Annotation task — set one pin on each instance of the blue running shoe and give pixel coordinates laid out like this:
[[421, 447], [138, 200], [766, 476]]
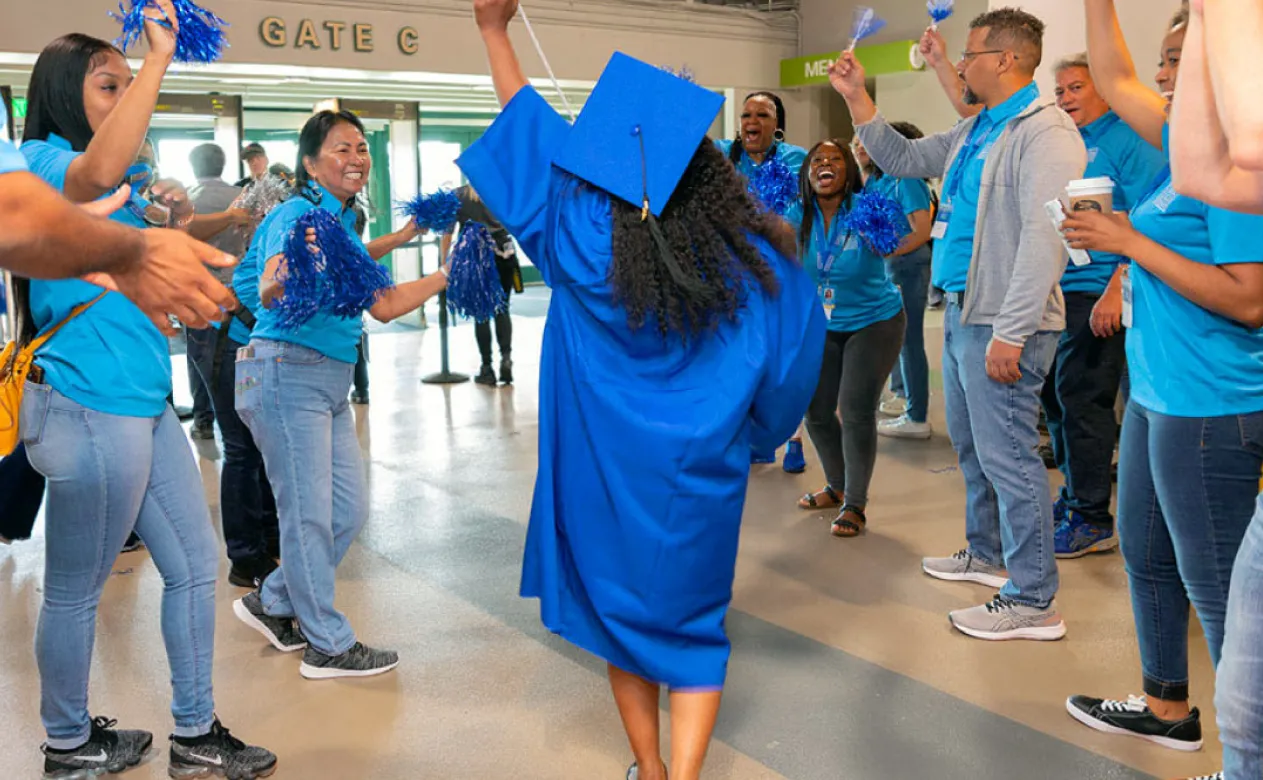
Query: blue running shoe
[[795, 462], [1076, 537]]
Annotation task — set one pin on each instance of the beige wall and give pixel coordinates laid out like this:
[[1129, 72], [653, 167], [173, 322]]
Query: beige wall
[[720, 46]]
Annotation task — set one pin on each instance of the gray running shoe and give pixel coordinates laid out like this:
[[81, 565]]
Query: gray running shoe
[[218, 753], [359, 661], [283, 633], [964, 567], [1001, 619], [106, 751]]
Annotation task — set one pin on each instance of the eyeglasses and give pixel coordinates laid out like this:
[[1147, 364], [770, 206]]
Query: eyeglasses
[[966, 56]]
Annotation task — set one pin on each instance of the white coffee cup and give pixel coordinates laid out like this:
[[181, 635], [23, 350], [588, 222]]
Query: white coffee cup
[[1091, 195]]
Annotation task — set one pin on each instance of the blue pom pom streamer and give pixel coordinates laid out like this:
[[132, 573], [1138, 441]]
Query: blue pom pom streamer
[[436, 212], [866, 24], [774, 185], [684, 72], [940, 10], [879, 222], [473, 283], [338, 278], [201, 38]]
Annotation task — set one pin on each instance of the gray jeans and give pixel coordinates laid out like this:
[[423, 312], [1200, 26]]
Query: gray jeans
[[855, 369]]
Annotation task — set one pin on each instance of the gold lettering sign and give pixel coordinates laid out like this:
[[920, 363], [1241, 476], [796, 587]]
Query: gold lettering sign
[[306, 35], [408, 40], [272, 30], [335, 34], [274, 33], [363, 37]]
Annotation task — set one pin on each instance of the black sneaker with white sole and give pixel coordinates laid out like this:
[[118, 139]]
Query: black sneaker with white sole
[[1133, 718], [218, 753], [359, 661], [283, 633], [107, 751]]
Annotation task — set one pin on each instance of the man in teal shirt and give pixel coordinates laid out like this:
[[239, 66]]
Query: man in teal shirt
[[1080, 393], [999, 259]]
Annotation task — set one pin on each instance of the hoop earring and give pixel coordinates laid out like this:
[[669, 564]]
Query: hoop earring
[[779, 135]]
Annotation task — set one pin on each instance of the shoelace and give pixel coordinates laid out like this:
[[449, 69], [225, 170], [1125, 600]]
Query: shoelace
[[1133, 704], [963, 555], [999, 603], [221, 735], [1216, 776]]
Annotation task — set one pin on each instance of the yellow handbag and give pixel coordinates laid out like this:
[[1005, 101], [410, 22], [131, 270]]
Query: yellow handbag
[[15, 364]]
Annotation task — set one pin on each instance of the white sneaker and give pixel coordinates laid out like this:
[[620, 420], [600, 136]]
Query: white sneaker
[[904, 428], [894, 407]]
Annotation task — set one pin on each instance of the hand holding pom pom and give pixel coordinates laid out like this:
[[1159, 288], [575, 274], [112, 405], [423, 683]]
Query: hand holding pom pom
[[473, 281], [879, 222], [774, 185], [436, 212], [327, 272], [176, 29]]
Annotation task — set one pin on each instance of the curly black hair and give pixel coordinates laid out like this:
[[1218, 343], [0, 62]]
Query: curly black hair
[[708, 225]]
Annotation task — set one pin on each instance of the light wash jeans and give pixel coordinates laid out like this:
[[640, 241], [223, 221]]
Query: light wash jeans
[[911, 377], [294, 400], [107, 475], [1239, 683], [1008, 512]]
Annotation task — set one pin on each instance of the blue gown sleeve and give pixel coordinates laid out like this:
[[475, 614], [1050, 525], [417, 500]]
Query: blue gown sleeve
[[511, 169], [795, 337]]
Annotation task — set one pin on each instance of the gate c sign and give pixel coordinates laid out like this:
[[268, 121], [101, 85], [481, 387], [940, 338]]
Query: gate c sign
[[331, 34]]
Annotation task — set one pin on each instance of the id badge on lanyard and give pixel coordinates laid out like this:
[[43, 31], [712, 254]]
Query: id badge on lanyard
[[827, 297], [940, 221]]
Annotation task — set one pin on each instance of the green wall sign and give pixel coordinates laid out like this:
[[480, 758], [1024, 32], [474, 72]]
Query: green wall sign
[[877, 60], [19, 107]]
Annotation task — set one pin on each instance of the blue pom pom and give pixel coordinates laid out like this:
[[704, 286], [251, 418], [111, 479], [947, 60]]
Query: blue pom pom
[[866, 23], [337, 278], [878, 220], [436, 212], [774, 185], [473, 284], [940, 10], [683, 72], [201, 38]]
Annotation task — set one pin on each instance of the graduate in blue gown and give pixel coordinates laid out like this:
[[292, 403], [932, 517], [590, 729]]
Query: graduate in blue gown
[[677, 336]]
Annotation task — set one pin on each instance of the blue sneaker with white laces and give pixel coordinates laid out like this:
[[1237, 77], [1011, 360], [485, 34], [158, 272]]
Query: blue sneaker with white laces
[[1075, 537], [795, 461]]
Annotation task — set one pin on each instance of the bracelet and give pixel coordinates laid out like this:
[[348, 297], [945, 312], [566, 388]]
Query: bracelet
[[443, 270]]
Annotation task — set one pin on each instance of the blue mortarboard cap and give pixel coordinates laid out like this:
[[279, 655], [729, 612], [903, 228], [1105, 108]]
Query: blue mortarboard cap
[[638, 132]]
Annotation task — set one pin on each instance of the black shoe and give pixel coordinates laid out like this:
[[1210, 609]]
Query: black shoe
[[506, 371], [359, 398], [106, 750], [218, 753], [133, 543], [205, 432], [1133, 718], [359, 661], [486, 376], [251, 572], [283, 633]]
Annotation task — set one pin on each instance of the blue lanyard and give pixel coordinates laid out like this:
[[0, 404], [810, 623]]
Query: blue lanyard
[[825, 267], [972, 147]]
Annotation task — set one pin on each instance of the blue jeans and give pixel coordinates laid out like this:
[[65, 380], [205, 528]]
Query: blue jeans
[[911, 377], [245, 497], [1008, 512], [294, 400], [1239, 682], [199, 344], [1186, 491], [1079, 399], [107, 475]]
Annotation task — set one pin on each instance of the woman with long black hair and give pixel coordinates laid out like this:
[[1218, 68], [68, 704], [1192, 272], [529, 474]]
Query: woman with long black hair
[[96, 423], [292, 387], [677, 337], [866, 324]]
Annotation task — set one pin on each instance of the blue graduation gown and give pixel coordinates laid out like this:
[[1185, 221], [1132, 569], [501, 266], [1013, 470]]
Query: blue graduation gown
[[644, 444]]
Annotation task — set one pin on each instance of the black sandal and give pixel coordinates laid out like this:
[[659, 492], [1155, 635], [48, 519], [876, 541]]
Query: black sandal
[[847, 528], [808, 501]]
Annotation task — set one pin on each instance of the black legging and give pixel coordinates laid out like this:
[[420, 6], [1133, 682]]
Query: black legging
[[855, 368], [504, 323]]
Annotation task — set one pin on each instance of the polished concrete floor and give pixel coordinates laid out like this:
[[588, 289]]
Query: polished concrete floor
[[844, 665]]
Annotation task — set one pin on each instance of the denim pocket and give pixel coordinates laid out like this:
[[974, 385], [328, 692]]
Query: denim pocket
[[1251, 426], [248, 387], [298, 355], [33, 416]]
